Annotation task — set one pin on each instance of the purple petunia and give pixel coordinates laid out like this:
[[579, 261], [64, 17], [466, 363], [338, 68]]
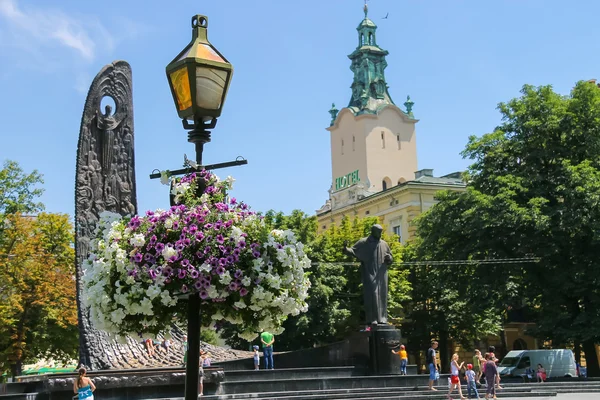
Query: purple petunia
[[238, 274], [159, 247], [194, 274], [243, 291], [220, 270], [256, 254], [138, 257], [233, 286], [181, 273], [185, 262], [220, 239], [230, 260], [185, 289], [203, 294]]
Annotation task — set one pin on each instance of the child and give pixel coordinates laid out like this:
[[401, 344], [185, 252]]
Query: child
[[471, 381], [541, 373], [403, 359], [256, 357], [203, 357], [454, 379], [185, 350]]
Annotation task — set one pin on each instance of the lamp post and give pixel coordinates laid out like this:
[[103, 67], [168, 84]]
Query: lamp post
[[199, 78]]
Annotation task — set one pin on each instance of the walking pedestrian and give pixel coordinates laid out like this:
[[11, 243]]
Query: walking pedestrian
[[471, 381], [491, 374], [454, 377]]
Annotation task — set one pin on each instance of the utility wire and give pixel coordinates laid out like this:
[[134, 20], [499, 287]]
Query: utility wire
[[491, 261]]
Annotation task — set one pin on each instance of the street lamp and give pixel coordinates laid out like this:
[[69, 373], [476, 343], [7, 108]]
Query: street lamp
[[199, 78]]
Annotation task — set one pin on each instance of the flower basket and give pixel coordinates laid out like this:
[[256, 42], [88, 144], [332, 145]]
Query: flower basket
[[140, 267]]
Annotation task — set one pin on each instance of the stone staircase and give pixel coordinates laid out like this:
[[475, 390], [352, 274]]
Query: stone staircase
[[316, 383], [347, 383]]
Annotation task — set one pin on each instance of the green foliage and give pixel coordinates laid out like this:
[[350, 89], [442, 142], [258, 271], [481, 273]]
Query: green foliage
[[38, 313], [18, 191], [534, 191], [335, 297], [209, 336]]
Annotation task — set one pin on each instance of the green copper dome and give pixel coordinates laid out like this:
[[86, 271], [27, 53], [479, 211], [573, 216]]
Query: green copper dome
[[369, 88]]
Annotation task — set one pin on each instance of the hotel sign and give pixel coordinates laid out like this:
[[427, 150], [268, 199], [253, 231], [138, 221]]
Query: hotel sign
[[347, 180]]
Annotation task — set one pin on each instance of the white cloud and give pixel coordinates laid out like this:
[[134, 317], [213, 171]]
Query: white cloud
[[33, 29]]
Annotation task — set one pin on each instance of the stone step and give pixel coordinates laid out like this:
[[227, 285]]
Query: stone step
[[291, 373], [342, 393], [370, 395], [20, 396]]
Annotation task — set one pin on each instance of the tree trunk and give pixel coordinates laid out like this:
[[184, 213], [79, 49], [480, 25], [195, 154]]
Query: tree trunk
[[444, 357], [591, 358], [577, 350]]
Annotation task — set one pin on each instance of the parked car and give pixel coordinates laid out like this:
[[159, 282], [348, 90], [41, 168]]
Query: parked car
[[556, 362]]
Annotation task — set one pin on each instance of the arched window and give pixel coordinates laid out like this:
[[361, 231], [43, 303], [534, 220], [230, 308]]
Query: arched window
[[370, 38], [401, 181], [519, 344], [342, 146], [386, 183], [353, 143], [362, 39], [399, 142], [382, 140]]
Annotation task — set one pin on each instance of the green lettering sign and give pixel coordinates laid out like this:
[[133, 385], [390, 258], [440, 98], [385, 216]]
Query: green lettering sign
[[347, 180]]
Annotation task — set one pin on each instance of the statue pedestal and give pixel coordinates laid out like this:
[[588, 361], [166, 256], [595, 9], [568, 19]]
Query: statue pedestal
[[382, 340]]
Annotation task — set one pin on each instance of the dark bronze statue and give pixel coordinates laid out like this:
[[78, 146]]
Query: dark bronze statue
[[104, 180], [375, 256]]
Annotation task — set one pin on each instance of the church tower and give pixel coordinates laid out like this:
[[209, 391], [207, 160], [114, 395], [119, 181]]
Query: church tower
[[373, 144]]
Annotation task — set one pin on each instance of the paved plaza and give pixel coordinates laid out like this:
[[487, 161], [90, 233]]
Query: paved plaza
[[561, 396]]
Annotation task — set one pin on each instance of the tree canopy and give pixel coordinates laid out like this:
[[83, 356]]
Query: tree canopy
[[38, 313], [533, 191]]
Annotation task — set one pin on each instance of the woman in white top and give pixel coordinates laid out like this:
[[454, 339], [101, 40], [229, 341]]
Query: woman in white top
[[454, 378]]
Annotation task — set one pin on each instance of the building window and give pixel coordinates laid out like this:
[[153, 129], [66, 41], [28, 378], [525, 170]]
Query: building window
[[396, 225], [324, 227], [382, 140], [386, 183], [398, 231], [399, 142], [342, 146], [353, 143], [367, 212]]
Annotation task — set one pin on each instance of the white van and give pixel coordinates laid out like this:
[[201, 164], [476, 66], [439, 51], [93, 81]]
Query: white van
[[557, 363]]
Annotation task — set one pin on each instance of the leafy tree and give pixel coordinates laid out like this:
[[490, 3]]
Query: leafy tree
[[38, 313], [18, 191], [534, 191]]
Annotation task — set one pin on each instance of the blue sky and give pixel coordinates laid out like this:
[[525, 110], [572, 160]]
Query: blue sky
[[456, 59]]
